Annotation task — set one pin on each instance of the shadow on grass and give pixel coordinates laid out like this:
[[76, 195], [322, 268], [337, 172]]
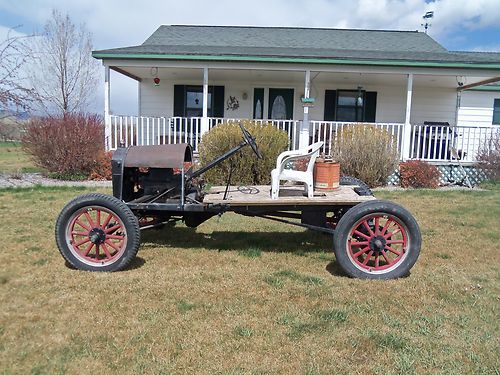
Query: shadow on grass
[[276, 242], [334, 269], [298, 243], [136, 263]]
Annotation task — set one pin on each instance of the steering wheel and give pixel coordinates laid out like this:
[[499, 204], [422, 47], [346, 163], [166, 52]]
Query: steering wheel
[[251, 141]]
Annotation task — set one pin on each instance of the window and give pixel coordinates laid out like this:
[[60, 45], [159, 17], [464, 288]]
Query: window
[[350, 105], [278, 109], [194, 101], [280, 106], [496, 112], [258, 102], [188, 101]]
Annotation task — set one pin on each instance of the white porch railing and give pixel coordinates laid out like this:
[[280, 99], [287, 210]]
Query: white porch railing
[[141, 130], [424, 142], [435, 143], [327, 131], [292, 127]]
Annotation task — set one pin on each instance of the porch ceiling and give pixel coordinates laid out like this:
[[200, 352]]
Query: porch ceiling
[[277, 76]]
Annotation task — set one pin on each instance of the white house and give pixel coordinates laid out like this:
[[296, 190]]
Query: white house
[[309, 82]]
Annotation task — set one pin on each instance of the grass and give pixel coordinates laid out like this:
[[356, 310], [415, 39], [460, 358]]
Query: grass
[[245, 295], [14, 160]]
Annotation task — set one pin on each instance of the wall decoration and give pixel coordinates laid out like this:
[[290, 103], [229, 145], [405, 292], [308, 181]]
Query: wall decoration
[[232, 103], [154, 73]]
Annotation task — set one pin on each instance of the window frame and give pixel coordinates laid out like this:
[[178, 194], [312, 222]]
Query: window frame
[[358, 110], [198, 90], [496, 112]]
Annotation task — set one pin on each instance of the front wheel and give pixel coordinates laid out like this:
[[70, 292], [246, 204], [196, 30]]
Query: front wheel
[[97, 232], [377, 240]]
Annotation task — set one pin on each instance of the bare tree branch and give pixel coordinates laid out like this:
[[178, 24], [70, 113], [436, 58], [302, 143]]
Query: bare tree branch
[[63, 73], [15, 92]]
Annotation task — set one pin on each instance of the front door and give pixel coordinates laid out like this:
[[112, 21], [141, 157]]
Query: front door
[[280, 104]]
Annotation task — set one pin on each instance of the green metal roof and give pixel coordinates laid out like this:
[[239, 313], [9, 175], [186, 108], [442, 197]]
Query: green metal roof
[[299, 45]]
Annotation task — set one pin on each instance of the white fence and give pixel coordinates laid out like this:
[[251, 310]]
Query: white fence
[[328, 131], [424, 142], [446, 143], [141, 130]]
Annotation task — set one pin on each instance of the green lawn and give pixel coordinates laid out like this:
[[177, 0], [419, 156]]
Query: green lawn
[[245, 295], [14, 160]]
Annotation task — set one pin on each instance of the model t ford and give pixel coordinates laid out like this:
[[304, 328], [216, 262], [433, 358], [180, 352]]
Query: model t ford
[[156, 185]]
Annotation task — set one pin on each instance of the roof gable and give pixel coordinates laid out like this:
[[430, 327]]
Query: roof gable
[[296, 38], [298, 45]]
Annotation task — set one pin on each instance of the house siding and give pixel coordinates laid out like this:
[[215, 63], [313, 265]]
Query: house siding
[[434, 104], [156, 101], [476, 108], [429, 104]]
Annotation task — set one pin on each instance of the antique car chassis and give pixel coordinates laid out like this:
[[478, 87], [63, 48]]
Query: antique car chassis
[[154, 185]]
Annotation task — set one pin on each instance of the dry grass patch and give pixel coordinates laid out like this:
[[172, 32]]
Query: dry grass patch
[[14, 160], [244, 295]]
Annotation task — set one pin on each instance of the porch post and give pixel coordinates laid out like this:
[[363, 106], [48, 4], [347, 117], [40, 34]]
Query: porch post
[[405, 149], [204, 120], [107, 119], [304, 127]]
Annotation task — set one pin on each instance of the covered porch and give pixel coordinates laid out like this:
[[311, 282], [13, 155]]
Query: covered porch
[[180, 101]]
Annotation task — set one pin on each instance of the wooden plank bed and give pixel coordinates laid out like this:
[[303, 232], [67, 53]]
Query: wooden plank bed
[[289, 195]]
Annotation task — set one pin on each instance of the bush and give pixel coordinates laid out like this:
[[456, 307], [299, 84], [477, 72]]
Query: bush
[[419, 174], [66, 145], [366, 152], [488, 157], [247, 169], [101, 170]]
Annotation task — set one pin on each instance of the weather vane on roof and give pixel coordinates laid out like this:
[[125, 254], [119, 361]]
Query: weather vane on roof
[[427, 17]]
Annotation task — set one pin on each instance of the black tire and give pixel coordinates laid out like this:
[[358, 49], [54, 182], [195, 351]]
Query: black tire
[[103, 223], [362, 233], [362, 188]]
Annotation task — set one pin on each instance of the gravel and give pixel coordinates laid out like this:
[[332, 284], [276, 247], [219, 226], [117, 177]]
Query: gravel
[[32, 179]]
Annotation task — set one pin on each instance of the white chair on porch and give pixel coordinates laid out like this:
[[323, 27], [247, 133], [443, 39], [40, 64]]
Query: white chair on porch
[[281, 173]]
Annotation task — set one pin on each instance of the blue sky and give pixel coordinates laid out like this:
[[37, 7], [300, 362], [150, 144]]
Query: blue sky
[[482, 39], [472, 25]]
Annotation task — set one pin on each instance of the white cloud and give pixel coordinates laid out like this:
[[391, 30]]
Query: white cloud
[[487, 48], [119, 22], [116, 23], [8, 32]]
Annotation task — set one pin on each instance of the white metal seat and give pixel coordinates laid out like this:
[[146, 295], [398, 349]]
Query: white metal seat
[[281, 173]]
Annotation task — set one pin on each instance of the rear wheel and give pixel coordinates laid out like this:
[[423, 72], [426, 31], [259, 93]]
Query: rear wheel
[[97, 232], [377, 240]]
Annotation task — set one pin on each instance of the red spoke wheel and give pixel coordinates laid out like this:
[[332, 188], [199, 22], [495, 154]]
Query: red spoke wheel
[[97, 232], [377, 240]]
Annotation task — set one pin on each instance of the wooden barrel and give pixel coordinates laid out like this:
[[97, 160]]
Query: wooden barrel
[[326, 175]]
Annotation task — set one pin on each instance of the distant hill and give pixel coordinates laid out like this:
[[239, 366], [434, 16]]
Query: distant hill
[[18, 115]]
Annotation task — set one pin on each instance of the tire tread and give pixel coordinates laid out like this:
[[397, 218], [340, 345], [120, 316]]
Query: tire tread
[[112, 203], [349, 219], [363, 189]]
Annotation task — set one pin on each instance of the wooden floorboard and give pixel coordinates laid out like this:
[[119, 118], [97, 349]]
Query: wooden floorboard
[[289, 195]]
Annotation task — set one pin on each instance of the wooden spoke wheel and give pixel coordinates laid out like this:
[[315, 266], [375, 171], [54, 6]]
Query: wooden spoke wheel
[[377, 240], [97, 232]]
